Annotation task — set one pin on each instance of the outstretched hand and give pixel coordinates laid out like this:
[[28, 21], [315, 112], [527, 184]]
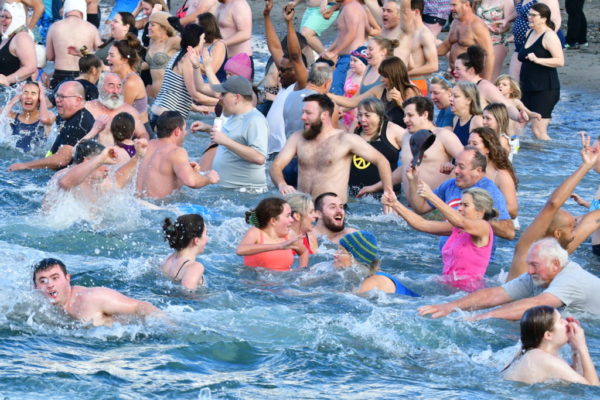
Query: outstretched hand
[[436, 310], [194, 55], [288, 12], [589, 153]]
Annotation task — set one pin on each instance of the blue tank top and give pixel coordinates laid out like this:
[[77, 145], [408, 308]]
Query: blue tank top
[[463, 131], [365, 88], [30, 135], [400, 288]]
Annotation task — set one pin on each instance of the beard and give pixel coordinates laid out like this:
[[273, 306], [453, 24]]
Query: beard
[[332, 224], [313, 130], [111, 101]]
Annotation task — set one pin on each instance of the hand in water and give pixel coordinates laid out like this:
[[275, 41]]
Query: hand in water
[[436, 310], [365, 191], [16, 167]]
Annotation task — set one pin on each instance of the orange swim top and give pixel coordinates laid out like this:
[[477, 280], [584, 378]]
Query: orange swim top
[[276, 260], [421, 84]]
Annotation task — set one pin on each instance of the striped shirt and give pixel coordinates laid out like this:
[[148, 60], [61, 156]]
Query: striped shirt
[[173, 94]]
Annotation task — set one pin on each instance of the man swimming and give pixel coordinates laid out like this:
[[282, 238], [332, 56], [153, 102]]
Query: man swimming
[[91, 305]]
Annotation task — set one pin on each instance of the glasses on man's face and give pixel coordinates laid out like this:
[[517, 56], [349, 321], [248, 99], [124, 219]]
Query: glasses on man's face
[[62, 96]]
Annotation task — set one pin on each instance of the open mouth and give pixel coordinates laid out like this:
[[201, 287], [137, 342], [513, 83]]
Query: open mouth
[[52, 294]]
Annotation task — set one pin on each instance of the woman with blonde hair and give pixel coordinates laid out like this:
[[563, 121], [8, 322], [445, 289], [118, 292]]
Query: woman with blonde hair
[[467, 110], [303, 213]]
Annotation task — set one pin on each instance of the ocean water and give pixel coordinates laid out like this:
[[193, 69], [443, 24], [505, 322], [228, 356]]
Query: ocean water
[[255, 334]]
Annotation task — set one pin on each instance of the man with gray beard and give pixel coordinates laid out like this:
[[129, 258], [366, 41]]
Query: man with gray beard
[[110, 103], [324, 154]]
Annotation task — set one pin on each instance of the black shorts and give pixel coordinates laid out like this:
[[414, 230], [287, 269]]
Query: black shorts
[[430, 19]]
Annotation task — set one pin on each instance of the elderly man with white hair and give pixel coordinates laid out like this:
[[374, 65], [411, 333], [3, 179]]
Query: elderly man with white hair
[[551, 280]]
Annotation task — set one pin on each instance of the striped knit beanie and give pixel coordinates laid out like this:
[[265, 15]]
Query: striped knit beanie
[[362, 245]]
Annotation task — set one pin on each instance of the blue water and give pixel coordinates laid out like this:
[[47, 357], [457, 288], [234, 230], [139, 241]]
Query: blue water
[[255, 335]]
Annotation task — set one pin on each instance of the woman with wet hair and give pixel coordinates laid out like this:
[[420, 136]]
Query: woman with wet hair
[[188, 237], [271, 243], [543, 333]]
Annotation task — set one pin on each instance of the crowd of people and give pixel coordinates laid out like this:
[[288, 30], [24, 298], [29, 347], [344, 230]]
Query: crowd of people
[[327, 122]]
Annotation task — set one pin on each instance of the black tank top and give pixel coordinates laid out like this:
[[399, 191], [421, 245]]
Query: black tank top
[[535, 77], [363, 173], [9, 64], [393, 113]]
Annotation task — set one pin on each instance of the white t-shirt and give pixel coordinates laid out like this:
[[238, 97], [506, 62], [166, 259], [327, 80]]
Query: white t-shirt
[[276, 122]]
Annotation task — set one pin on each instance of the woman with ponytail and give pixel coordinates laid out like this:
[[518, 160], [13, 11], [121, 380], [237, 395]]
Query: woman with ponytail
[[270, 243], [188, 237], [543, 333]]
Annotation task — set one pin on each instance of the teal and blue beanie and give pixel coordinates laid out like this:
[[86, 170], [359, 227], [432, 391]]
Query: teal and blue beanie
[[362, 245]]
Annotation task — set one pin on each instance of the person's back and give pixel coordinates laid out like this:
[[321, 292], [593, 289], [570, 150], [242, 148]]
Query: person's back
[[71, 31], [156, 176]]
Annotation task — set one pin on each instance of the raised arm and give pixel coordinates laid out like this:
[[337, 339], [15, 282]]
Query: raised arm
[[75, 175], [294, 49], [126, 172], [273, 42], [417, 222], [542, 221]]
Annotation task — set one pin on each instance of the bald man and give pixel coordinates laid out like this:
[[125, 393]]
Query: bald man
[[556, 223]]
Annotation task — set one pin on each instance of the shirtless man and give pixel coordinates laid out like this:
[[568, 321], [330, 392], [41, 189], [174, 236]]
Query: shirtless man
[[110, 103], [324, 154], [235, 21], [87, 177], [352, 32], [389, 18], [331, 214], [197, 7], [554, 222], [75, 32], [166, 166], [417, 44], [90, 305], [418, 115], [466, 30]]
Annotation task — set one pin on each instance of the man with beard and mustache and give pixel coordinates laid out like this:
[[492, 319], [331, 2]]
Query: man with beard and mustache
[[551, 280], [324, 154], [110, 103], [73, 122], [534, 266], [331, 214]]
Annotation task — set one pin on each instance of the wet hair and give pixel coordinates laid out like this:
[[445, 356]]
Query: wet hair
[[545, 12], [167, 122], [443, 79], [500, 114], [129, 48], [319, 73], [209, 23], [422, 105], [180, 234], [161, 2], [122, 126], [394, 69], [87, 62], [190, 36], [497, 154], [320, 200], [268, 208], [479, 160], [386, 44], [534, 324], [469, 89], [417, 5], [324, 102], [299, 202], [372, 105], [482, 200], [515, 89], [46, 264], [474, 58], [86, 148]]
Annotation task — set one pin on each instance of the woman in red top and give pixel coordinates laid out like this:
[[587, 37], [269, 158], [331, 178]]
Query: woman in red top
[[303, 212], [271, 243]]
